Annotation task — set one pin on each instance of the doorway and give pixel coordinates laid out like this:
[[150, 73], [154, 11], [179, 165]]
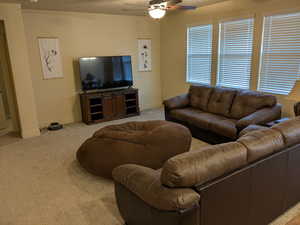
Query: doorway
[[8, 115]]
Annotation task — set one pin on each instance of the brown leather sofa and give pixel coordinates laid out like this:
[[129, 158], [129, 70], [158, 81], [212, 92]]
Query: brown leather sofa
[[248, 182], [217, 115]]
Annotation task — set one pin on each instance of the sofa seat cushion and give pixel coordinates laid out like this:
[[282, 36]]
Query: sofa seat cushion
[[224, 126], [261, 143], [199, 96], [248, 102], [207, 121], [185, 114], [221, 100]]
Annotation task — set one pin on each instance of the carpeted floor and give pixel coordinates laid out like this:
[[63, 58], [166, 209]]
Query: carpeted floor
[[42, 184], [295, 221]]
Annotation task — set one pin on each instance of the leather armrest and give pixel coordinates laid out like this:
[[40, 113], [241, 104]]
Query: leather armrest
[[145, 183], [177, 102], [260, 117], [195, 168]]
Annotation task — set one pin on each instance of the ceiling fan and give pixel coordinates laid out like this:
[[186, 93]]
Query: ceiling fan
[[158, 8]]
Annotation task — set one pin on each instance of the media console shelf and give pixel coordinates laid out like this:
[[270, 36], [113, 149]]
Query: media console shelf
[[97, 107]]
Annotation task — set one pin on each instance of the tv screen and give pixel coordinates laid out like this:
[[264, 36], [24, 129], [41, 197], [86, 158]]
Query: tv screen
[[105, 72]]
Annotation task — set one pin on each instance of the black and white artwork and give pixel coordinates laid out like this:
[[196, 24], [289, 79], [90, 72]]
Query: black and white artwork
[[145, 56], [51, 58]]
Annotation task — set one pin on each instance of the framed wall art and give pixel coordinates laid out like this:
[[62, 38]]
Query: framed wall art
[[145, 55], [50, 58]]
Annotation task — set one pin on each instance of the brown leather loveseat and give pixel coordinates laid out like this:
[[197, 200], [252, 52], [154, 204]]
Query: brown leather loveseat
[[248, 182], [217, 114]]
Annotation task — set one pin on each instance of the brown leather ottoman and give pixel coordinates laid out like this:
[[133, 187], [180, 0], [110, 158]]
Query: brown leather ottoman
[[149, 143]]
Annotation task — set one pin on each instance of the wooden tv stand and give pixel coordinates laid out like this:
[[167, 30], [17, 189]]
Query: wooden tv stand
[[97, 107]]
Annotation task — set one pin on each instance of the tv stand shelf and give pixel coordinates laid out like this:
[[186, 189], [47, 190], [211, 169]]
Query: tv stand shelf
[[99, 106]]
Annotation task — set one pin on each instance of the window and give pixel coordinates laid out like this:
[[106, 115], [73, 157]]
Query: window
[[280, 59], [235, 53], [199, 50]]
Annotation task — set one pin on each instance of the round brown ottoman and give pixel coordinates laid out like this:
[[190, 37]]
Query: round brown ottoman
[[149, 143]]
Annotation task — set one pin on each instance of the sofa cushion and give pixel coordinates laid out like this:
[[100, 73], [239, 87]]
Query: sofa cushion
[[197, 167], [199, 96], [261, 143], [207, 121], [251, 128], [185, 114], [247, 102], [221, 100], [225, 127], [215, 123], [290, 130]]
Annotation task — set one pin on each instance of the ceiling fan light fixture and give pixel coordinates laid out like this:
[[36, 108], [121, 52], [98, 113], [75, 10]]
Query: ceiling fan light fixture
[[157, 13]]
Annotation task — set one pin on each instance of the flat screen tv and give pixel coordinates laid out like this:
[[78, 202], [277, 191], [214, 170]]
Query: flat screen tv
[[105, 72]]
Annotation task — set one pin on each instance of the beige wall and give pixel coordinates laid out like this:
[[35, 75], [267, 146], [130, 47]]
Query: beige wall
[[173, 39], [6, 86], [80, 35], [20, 71], [83, 34]]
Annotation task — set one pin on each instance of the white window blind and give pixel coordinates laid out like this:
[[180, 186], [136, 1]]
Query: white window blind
[[280, 62], [199, 51], [235, 53]]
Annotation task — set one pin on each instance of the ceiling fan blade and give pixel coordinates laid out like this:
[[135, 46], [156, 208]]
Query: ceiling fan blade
[[182, 7], [210, 2], [187, 7]]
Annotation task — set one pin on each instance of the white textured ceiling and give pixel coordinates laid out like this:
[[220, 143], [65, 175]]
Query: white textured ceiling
[[128, 7]]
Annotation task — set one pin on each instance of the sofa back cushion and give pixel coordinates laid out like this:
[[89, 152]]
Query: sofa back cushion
[[290, 130], [247, 102], [261, 143], [221, 100], [197, 167], [199, 96]]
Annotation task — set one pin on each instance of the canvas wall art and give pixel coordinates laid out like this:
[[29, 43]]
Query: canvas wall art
[[145, 55], [50, 57]]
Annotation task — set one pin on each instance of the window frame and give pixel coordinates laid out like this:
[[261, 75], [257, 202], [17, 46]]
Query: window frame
[[235, 19], [261, 44], [187, 52]]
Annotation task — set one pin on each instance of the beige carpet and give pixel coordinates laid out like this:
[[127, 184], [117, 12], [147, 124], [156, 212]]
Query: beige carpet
[[42, 184], [295, 221]]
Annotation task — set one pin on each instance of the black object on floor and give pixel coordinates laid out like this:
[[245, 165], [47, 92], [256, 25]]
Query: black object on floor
[[55, 126]]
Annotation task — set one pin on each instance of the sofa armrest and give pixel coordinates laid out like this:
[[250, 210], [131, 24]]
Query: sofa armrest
[[177, 102], [195, 168], [145, 183], [260, 117]]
